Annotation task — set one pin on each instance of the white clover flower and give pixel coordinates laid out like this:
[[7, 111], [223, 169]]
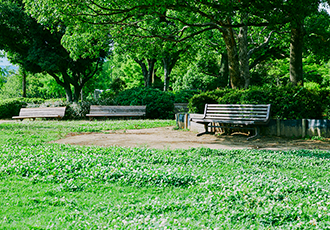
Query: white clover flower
[[313, 222]]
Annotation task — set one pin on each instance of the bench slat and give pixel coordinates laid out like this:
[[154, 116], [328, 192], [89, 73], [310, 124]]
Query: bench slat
[[237, 105], [236, 109], [94, 107], [237, 122], [114, 114], [262, 113], [116, 111], [238, 116], [35, 116]]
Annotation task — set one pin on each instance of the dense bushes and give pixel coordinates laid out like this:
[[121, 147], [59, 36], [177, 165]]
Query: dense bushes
[[287, 102], [183, 96], [11, 107], [159, 104]]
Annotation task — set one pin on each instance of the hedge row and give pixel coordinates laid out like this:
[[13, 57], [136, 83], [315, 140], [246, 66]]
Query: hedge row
[[287, 102], [11, 107], [159, 104]]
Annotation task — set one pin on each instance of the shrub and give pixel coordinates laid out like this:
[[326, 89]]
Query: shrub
[[197, 102], [159, 104], [108, 96], [183, 96], [11, 107], [75, 110], [117, 85]]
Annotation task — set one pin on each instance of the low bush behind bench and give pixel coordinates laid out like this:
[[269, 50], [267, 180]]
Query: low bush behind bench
[[44, 112], [116, 111], [237, 115]]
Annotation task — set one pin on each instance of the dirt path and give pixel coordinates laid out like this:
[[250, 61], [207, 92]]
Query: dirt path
[[168, 138]]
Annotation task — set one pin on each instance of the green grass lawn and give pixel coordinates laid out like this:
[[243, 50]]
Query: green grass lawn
[[52, 186]]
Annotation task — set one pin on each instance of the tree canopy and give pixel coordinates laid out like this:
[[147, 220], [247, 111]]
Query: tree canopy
[[179, 21], [38, 47]]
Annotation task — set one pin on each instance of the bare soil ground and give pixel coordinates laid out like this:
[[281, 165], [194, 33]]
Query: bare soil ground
[[169, 138]]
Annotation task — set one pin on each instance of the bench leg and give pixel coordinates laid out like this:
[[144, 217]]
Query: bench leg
[[206, 127], [257, 129]]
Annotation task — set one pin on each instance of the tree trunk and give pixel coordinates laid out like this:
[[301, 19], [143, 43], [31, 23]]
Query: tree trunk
[[224, 71], [169, 62], [77, 92], [296, 47], [24, 83], [65, 84], [68, 93], [144, 70], [166, 63], [233, 64], [243, 54], [151, 67]]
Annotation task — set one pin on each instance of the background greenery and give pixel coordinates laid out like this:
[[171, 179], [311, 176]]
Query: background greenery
[[287, 102]]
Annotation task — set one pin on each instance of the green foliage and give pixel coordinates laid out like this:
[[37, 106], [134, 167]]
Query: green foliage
[[198, 101], [127, 69], [44, 86], [4, 74], [117, 85], [287, 102], [37, 48], [12, 88], [74, 111], [183, 96], [11, 107], [77, 110], [316, 72], [108, 95], [159, 104], [276, 73], [193, 79]]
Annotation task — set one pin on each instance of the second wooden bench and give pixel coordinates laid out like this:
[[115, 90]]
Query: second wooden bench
[[116, 111]]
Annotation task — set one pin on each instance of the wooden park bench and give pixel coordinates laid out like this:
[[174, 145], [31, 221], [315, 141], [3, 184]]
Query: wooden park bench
[[47, 112], [116, 111], [233, 116]]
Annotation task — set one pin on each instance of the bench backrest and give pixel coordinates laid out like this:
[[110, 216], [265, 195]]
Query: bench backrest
[[238, 112], [60, 111], [133, 110]]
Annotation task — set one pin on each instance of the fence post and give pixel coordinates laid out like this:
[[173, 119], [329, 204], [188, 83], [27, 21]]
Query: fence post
[[303, 127], [278, 127]]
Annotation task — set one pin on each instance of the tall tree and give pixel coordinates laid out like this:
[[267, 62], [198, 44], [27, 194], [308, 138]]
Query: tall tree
[[37, 48], [196, 17], [181, 15]]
